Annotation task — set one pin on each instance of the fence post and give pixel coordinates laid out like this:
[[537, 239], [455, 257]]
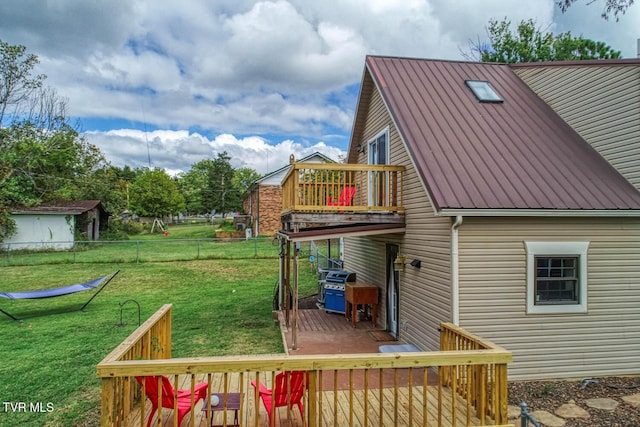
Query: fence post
[[137, 251], [525, 416], [8, 254]]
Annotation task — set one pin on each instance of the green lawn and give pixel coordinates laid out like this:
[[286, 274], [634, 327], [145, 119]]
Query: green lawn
[[220, 307]]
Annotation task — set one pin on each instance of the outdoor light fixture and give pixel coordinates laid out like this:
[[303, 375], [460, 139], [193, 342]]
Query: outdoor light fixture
[[360, 148], [398, 263], [416, 263]]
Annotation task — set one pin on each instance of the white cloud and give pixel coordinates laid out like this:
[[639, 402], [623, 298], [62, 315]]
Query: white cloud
[[178, 150]]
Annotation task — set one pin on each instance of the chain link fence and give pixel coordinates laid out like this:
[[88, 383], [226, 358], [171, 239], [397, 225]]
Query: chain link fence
[[137, 251]]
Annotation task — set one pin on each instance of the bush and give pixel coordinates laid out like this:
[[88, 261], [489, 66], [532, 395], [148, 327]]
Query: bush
[[121, 230], [226, 225]]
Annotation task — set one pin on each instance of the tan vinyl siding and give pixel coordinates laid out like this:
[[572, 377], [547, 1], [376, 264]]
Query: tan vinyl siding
[[602, 103], [604, 341], [424, 294]]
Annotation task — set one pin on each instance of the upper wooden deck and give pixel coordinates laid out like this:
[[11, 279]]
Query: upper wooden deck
[[337, 193]]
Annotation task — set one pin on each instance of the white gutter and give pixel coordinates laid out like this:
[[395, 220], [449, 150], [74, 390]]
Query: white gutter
[[455, 274]]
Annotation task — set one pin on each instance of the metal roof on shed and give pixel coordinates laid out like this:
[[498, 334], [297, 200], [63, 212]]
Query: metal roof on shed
[[61, 207], [516, 154]]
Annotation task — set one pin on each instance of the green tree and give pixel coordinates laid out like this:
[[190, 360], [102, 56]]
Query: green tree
[[530, 44], [220, 193], [104, 184], [16, 81], [46, 165], [243, 178], [617, 7], [214, 184], [194, 184], [155, 194], [42, 157]]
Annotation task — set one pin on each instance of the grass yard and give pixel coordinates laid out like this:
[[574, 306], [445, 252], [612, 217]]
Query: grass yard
[[220, 307]]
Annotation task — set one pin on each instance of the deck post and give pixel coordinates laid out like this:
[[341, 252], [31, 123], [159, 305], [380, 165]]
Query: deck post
[[500, 416], [294, 325], [281, 268], [287, 282], [107, 402]]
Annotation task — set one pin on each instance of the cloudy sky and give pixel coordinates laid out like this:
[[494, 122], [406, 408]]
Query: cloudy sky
[[175, 82]]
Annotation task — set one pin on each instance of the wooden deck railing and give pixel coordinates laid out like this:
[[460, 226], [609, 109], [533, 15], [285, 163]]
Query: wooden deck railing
[[483, 386], [151, 341], [329, 187], [358, 389]]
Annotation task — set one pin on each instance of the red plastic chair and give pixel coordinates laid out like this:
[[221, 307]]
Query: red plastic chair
[[288, 390], [344, 199], [183, 396]]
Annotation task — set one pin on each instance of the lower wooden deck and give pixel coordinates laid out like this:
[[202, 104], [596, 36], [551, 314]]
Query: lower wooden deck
[[349, 406]]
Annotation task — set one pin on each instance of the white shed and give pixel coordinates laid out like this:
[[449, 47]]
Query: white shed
[[41, 231], [52, 226]]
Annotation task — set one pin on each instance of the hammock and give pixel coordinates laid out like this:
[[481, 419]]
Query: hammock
[[99, 284]]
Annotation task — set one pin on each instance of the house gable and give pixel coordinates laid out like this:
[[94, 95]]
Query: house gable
[[600, 100], [424, 295]]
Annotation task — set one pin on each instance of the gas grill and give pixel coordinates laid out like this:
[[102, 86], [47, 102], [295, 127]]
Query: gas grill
[[322, 279], [334, 290]]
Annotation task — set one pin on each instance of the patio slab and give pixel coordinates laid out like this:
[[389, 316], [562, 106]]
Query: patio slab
[[321, 332]]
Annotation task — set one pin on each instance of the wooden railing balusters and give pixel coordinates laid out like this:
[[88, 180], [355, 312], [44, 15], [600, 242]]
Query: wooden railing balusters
[[425, 397], [307, 187], [366, 396], [381, 398], [335, 397], [350, 397]]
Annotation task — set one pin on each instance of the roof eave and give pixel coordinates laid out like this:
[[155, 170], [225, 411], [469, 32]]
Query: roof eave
[[47, 212], [352, 230], [541, 212]]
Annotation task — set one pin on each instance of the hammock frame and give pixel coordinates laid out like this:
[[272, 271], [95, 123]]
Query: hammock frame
[[97, 284]]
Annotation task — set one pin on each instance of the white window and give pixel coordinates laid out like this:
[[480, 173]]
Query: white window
[[378, 155], [379, 148], [556, 277]]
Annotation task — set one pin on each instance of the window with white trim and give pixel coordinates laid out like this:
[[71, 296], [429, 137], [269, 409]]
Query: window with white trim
[[556, 277], [378, 155], [379, 148]]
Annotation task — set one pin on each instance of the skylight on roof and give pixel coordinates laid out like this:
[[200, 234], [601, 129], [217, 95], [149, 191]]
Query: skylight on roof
[[483, 91]]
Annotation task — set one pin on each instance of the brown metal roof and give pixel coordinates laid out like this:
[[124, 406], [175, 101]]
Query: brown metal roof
[[71, 207], [518, 154]]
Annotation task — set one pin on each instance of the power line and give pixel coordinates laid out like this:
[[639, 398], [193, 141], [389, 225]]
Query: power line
[[144, 123]]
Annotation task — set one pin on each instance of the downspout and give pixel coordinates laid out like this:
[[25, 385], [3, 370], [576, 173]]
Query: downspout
[[257, 211], [455, 274]]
